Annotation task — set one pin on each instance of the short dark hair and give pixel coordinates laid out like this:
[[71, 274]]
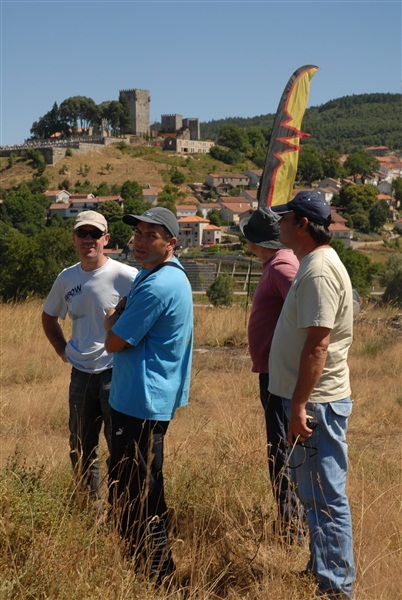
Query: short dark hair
[[320, 233]]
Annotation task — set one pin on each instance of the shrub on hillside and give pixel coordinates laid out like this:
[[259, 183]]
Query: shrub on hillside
[[220, 292]]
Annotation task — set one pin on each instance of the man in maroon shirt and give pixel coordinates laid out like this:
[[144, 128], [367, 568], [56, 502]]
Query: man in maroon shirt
[[279, 266]]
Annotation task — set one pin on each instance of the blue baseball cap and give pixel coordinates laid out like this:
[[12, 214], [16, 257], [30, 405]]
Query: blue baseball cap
[[311, 205]]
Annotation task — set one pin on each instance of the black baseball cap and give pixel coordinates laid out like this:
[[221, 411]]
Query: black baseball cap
[[262, 228], [310, 204], [158, 216]]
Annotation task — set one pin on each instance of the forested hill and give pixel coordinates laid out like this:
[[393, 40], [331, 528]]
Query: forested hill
[[346, 124]]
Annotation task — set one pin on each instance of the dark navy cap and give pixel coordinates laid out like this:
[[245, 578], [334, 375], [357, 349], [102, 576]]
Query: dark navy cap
[[310, 204]]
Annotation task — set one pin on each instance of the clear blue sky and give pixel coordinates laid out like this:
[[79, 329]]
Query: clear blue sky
[[206, 59]]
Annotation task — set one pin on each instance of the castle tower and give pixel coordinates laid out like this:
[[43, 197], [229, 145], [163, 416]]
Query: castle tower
[[194, 126], [139, 104], [171, 123]]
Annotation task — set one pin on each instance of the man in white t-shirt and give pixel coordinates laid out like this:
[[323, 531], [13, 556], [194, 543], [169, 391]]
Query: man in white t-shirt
[[308, 368], [86, 291]]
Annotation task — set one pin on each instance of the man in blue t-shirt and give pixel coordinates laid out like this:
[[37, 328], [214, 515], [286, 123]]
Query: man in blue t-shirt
[[151, 334]]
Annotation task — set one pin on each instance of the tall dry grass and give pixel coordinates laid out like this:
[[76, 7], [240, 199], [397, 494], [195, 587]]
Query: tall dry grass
[[216, 474]]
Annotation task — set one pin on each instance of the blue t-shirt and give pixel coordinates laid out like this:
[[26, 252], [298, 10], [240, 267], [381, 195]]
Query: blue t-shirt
[[151, 379]]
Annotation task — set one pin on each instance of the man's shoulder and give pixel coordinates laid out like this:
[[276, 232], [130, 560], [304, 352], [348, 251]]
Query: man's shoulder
[[284, 259], [123, 268], [69, 271]]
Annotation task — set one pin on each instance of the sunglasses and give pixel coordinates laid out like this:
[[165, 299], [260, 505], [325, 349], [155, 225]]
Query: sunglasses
[[95, 234]]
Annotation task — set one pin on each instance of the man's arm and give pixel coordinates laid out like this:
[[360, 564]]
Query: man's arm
[[114, 343], [312, 361], [54, 334]]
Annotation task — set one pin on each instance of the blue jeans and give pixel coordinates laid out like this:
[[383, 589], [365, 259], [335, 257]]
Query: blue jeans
[[89, 408], [319, 468]]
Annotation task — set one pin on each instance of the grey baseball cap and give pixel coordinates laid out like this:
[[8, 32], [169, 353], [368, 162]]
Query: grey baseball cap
[[158, 216]]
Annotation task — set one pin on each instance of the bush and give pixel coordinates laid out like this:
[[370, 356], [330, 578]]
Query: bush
[[220, 292]]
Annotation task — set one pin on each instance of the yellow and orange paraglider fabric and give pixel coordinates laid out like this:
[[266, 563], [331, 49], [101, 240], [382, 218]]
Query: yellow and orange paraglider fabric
[[280, 167]]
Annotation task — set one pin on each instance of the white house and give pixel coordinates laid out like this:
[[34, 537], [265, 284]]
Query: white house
[[185, 210], [56, 196], [192, 232]]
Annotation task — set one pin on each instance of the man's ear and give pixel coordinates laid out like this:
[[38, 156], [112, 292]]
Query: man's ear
[[173, 242], [303, 222]]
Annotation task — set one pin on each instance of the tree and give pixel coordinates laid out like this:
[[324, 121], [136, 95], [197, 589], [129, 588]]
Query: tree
[[24, 210], [364, 196], [393, 266], [393, 291], [120, 234], [131, 190], [360, 163], [79, 110], [177, 177], [396, 186], [102, 189], [220, 292], [360, 268], [330, 163], [234, 138], [378, 215], [392, 280], [257, 139], [111, 211], [214, 217], [49, 124], [30, 264], [310, 165]]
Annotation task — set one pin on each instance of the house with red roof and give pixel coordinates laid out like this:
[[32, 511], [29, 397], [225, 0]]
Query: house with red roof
[[196, 231]]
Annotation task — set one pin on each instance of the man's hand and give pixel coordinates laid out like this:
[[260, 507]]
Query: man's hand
[[298, 430]]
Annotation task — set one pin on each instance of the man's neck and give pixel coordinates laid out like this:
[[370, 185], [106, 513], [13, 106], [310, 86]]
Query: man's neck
[[308, 248], [92, 265]]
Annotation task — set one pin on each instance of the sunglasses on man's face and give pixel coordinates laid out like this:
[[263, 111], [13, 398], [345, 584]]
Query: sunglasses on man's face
[[94, 233]]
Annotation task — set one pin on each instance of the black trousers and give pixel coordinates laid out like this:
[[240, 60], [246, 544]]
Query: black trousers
[[289, 507], [136, 486]]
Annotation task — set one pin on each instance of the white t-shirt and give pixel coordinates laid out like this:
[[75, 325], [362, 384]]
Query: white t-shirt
[[86, 296], [320, 296]]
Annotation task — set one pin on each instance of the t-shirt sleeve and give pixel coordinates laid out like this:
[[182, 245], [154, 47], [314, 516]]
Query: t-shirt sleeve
[[55, 304], [317, 302]]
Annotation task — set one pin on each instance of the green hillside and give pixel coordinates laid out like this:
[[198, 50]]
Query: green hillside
[[346, 124]]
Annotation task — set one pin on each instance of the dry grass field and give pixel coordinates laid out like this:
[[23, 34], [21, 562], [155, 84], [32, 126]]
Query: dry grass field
[[216, 474]]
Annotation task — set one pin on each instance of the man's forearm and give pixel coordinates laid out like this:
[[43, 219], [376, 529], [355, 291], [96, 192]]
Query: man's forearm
[[54, 334], [311, 366]]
